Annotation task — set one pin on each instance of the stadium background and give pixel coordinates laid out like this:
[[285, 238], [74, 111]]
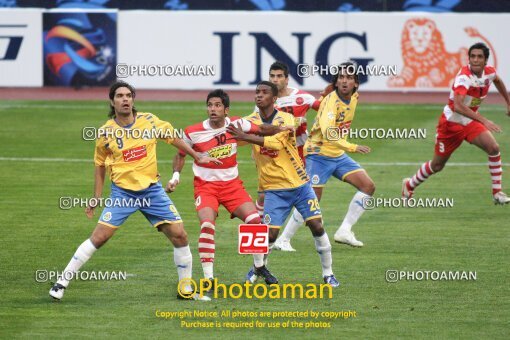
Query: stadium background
[[52, 87]]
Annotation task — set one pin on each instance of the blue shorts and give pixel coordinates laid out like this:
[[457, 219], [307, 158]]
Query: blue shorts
[[279, 203], [320, 168], [153, 202]]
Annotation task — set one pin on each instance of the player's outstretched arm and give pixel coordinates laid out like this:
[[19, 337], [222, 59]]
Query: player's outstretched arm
[[99, 175], [271, 130], [178, 164], [181, 145], [463, 109], [498, 82], [240, 135]]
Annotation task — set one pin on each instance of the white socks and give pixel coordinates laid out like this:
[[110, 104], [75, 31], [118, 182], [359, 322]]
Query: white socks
[[295, 222], [183, 261], [354, 213], [324, 249], [82, 255]]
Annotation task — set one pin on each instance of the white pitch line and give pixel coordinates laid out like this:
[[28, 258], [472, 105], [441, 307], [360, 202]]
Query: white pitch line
[[83, 160]]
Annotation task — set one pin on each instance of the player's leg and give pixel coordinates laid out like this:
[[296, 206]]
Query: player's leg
[[247, 212], [359, 179], [276, 210], [319, 170], [206, 204], [308, 206], [163, 215], [449, 137], [100, 235], [111, 218], [259, 203], [206, 242], [486, 141]]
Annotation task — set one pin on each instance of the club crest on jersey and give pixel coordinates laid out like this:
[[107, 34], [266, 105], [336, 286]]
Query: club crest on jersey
[[107, 217], [134, 154], [315, 179], [267, 219], [198, 201], [221, 151], [299, 101]]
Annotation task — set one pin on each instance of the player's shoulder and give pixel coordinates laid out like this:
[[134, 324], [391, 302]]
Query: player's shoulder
[[355, 96], [465, 71], [197, 127], [253, 117], [489, 70], [146, 116], [284, 116]]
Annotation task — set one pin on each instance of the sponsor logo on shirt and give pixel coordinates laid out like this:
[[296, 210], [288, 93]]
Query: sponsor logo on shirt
[[134, 154]]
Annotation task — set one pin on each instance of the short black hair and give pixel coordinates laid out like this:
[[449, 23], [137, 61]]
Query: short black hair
[[480, 46], [219, 93], [273, 87], [278, 65], [351, 69], [113, 88]]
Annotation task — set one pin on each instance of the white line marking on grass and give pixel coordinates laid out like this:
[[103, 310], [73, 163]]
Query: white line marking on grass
[[83, 160]]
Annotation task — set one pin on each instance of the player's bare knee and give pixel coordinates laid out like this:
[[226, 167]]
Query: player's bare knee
[[368, 188], [98, 240], [492, 149], [436, 167], [316, 228], [179, 239], [273, 234]]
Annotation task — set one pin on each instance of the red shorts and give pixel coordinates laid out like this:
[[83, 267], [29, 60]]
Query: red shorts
[[450, 135], [230, 194]]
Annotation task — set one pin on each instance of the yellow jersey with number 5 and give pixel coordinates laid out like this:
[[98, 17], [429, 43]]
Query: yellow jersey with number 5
[[328, 136]]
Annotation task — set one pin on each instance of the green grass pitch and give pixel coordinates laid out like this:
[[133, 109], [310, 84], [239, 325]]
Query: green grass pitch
[[37, 235]]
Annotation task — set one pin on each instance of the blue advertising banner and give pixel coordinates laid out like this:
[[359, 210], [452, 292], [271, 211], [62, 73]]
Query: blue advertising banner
[[80, 49]]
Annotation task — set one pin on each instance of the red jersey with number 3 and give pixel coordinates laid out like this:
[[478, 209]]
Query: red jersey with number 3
[[216, 143], [474, 88]]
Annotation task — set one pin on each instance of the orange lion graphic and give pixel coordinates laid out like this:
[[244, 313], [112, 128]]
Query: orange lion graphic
[[426, 61]]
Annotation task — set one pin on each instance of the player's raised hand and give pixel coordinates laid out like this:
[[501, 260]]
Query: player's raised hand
[[206, 159], [491, 126], [235, 131], [362, 149]]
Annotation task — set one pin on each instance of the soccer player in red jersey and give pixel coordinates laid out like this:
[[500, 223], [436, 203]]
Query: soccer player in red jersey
[[218, 184], [461, 121]]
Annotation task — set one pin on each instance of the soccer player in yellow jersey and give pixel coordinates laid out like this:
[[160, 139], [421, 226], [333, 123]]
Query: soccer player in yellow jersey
[[283, 179], [131, 161], [327, 145], [325, 153]]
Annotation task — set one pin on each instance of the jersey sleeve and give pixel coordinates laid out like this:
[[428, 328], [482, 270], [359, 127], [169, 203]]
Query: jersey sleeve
[[461, 84], [165, 129], [247, 126], [186, 140], [100, 152]]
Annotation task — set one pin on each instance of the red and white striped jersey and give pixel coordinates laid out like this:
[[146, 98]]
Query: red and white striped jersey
[[216, 143], [297, 103], [475, 89]]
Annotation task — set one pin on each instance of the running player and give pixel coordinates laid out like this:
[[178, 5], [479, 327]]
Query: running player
[[218, 184], [283, 178], [461, 121], [133, 171]]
